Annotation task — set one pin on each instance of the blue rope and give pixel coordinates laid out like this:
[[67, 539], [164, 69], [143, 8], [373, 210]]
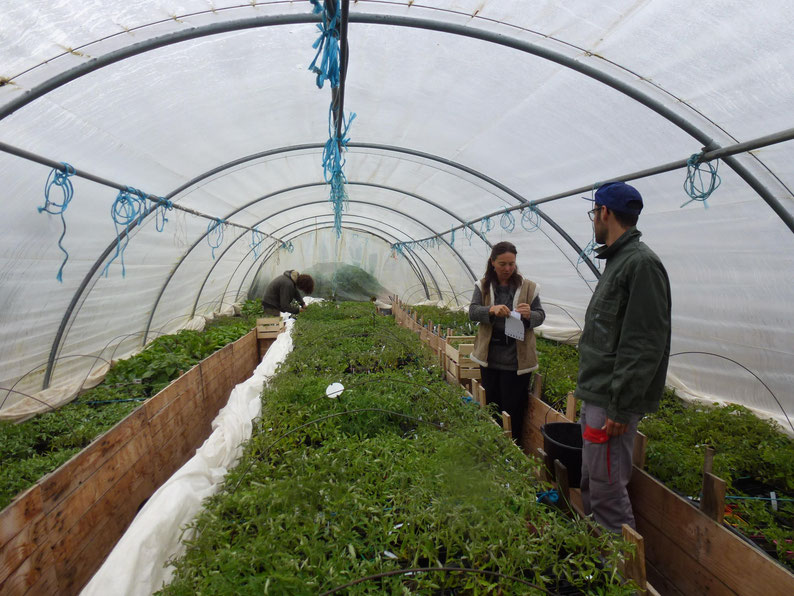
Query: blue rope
[[397, 248], [257, 238], [507, 221], [61, 180], [701, 179], [452, 239], [468, 232], [288, 246], [333, 164], [486, 225], [327, 44], [553, 496], [215, 234], [129, 206], [163, 206], [531, 217]]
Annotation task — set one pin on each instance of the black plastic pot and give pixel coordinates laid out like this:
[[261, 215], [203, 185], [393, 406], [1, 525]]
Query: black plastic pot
[[563, 441]]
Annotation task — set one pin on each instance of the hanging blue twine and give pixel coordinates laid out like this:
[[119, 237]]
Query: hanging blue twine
[[60, 179], [468, 232], [397, 248], [486, 225], [215, 234], [507, 221], [701, 179], [530, 219], [327, 45], [333, 164], [163, 206], [288, 246], [257, 238], [129, 206], [452, 237]]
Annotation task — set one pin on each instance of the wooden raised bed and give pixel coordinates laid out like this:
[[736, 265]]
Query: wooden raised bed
[[55, 535], [686, 550]]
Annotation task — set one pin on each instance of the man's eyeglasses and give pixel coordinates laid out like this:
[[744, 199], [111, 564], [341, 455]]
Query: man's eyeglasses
[[592, 213]]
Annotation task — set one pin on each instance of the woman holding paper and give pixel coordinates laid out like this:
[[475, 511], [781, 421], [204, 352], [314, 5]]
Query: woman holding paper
[[507, 307]]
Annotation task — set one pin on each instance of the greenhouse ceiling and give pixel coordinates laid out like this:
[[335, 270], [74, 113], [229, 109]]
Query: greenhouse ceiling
[[161, 161]]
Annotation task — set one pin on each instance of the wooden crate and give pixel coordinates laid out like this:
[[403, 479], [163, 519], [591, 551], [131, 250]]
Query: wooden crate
[[460, 366], [269, 327]]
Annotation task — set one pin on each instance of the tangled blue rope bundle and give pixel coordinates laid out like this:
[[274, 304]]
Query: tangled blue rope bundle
[[288, 246], [257, 238], [452, 239], [326, 44], [215, 234], [163, 206], [468, 232], [61, 180], [129, 206], [333, 164], [701, 179], [486, 225], [530, 219], [507, 221]]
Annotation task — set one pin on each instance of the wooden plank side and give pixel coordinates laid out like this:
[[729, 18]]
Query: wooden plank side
[[192, 393], [172, 392], [83, 548], [19, 513], [71, 509], [35, 576], [245, 357], [713, 546], [14, 552], [67, 478]]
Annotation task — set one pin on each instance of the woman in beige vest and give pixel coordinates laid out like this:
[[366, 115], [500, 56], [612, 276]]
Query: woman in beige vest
[[505, 363]]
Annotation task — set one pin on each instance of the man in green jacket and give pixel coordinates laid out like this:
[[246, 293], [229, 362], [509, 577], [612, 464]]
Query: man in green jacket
[[282, 292], [623, 353]]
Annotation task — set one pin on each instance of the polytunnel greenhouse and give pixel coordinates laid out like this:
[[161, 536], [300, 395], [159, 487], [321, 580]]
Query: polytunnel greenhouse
[[162, 162]]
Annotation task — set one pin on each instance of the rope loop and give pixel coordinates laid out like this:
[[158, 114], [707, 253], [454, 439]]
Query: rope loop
[[507, 221], [701, 179], [452, 239], [257, 238], [215, 234], [530, 218], [288, 246], [468, 232], [163, 206], [486, 225], [59, 178], [128, 209]]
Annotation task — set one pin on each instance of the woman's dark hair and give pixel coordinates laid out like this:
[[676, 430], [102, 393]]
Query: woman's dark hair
[[305, 283], [490, 276]]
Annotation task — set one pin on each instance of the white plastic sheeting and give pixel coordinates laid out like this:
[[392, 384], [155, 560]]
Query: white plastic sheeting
[[463, 107], [137, 564]]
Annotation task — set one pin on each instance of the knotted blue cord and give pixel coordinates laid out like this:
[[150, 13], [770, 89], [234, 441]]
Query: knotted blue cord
[[486, 225], [452, 239], [327, 44], [257, 238], [163, 206], [530, 217], [397, 248], [288, 246], [468, 232], [129, 205], [333, 164], [507, 221], [61, 180], [215, 234], [698, 188]]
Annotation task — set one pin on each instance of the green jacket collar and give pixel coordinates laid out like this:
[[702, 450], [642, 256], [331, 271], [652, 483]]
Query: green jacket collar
[[630, 235]]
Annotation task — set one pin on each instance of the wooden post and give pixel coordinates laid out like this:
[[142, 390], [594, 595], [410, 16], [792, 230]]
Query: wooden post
[[507, 424], [708, 460], [570, 407], [712, 503], [537, 385], [634, 565], [545, 469], [561, 475], [640, 445]]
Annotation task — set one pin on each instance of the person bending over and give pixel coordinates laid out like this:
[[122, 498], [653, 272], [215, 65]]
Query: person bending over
[[282, 291]]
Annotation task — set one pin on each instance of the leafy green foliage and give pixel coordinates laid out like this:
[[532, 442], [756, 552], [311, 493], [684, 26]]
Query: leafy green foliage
[[396, 472], [38, 446], [339, 281]]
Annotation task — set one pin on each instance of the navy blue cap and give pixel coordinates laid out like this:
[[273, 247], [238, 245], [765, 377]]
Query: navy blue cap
[[619, 196]]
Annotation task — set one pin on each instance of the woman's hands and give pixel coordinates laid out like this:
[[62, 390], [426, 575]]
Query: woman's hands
[[524, 310], [499, 310]]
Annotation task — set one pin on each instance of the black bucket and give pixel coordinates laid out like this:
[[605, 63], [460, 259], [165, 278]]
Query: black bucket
[[563, 441]]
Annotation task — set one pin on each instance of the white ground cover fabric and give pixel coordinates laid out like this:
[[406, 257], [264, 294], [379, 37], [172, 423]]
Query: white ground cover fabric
[[136, 565]]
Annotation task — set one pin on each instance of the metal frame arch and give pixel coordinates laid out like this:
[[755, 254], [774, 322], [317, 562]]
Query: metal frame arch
[[265, 197], [371, 231], [638, 95], [242, 281]]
